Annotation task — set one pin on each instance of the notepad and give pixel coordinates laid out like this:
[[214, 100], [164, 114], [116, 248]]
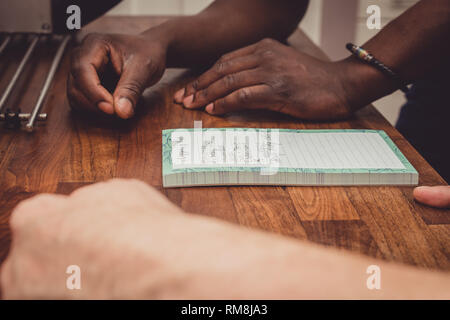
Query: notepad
[[247, 156]]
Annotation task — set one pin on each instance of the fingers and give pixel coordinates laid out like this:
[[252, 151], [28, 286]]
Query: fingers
[[229, 63], [438, 196], [129, 59], [78, 100], [253, 97], [87, 62], [223, 87], [137, 74], [221, 69]]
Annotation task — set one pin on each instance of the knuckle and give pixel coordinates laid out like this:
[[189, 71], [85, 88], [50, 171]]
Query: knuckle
[[221, 67], [229, 81], [266, 42], [15, 220], [17, 217], [281, 86], [266, 54], [267, 48], [244, 95], [29, 208], [133, 87], [278, 83]]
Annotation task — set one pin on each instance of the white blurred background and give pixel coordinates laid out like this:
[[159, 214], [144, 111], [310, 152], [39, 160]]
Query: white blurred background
[[329, 23]]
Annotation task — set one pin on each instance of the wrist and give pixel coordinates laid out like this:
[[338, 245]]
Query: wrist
[[362, 83], [161, 34]]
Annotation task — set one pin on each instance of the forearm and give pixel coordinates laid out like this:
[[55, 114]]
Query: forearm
[[315, 272], [224, 26], [417, 42], [305, 271], [130, 242], [218, 260], [412, 45]]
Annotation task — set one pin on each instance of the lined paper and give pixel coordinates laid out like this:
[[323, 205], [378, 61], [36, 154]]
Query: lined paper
[[291, 149], [336, 150]]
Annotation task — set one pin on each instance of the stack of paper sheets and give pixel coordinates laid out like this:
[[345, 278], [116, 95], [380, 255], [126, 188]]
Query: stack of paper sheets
[[244, 156]]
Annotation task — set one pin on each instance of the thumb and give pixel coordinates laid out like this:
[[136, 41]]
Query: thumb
[[133, 80], [438, 196]]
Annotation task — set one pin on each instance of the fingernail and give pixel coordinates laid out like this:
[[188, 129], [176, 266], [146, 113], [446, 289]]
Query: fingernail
[[188, 101], [210, 108], [124, 108], [421, 193], [179, 95], [106, 107], [422, 189]]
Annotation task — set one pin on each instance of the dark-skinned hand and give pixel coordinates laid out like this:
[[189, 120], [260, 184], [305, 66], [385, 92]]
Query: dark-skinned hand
[[270, 75], [137, 61]]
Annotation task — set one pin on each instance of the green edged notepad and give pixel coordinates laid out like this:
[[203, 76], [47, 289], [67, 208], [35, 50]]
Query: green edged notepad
[[246, 156]]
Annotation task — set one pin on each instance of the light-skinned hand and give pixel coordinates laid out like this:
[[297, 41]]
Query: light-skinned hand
[[130, 242]]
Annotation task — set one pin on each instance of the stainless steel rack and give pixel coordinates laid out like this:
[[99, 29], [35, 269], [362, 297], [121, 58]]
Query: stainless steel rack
[[14, 119]]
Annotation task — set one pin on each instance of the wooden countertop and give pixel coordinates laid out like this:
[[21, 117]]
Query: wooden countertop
[[71, 150]]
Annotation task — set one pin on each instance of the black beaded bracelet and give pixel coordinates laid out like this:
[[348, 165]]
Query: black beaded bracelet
[[365, 56]]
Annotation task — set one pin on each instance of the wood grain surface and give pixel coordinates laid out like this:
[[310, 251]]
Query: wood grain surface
[[73, 150]]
